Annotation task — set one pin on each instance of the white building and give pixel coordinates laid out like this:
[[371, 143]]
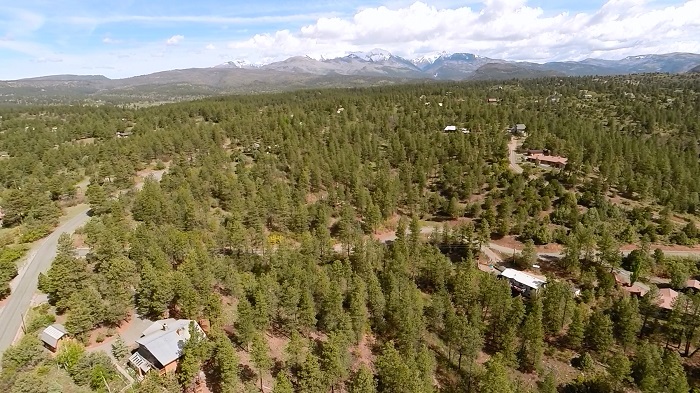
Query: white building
[[523, 282]]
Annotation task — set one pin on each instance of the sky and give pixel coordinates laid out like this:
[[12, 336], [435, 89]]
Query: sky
[[135, 37]]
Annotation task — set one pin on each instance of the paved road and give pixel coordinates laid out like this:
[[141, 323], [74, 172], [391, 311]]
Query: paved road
[[510, 251], [39, 260], [514, 165]]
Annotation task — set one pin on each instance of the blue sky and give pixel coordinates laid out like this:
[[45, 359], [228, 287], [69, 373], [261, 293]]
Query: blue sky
[[126, 38]]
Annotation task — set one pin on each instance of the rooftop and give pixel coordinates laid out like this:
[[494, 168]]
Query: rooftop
[[666, 298], [164, 339], [692, 283], [53, 333], [523, 278], [624, 277], [451, 128], [548, 159]]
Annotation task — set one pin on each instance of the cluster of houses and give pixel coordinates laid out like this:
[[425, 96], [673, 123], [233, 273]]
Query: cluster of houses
[[158, 349], [666, 296], [527, 284]]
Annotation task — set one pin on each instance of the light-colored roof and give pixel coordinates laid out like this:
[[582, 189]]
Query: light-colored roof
[[165, 339], [157, 325], [451, 128], [520, 126], [692, 283], [638, 288], [523, 278], [622, 276], [52, 334], [666, 298]]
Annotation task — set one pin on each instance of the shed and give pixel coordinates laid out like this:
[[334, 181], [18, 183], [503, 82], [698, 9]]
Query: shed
[[52, 335], [450, 128]]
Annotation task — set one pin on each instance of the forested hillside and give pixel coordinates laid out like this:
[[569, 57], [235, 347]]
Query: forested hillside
[[271, 223]]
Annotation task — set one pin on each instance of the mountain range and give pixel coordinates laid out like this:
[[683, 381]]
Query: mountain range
[[355, 69], [460, 66]]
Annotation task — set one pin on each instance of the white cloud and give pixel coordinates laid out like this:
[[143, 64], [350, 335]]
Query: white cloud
[[108, 40], [17, 22], [500, 28], [198, 19], [174, 40], [49, 60], [507, 29]]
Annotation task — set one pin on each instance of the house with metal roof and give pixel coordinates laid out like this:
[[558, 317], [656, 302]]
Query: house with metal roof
[[524, 283], [52, 336], [160, 345]]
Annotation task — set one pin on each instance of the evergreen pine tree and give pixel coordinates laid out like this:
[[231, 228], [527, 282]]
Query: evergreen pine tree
[[283, 384], [362, 381], [576, 332], [245, 322], [496, 379], [226, 365], [260, 357], [599, 332], [532, 338], [311, 379]]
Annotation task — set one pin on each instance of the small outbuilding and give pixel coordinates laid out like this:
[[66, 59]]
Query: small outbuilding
[[52, 336], [518, 129], [450, 128]]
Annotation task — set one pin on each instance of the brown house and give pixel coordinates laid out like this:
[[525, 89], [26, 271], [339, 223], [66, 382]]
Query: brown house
[[667, 297], [160, 345], [553, 161], [624, 280]]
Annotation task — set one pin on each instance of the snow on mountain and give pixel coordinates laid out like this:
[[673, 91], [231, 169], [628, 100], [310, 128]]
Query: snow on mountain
[[459, 66], [425, 61], [375, 55], [237, 64]]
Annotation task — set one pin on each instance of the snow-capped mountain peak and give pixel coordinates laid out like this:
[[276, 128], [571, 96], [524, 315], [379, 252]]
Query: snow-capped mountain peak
[[374, 55], [237, 64], [426, 60]]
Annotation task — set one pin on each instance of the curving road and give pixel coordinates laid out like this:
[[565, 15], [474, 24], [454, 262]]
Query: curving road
[[25, 284], [512, 157]]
